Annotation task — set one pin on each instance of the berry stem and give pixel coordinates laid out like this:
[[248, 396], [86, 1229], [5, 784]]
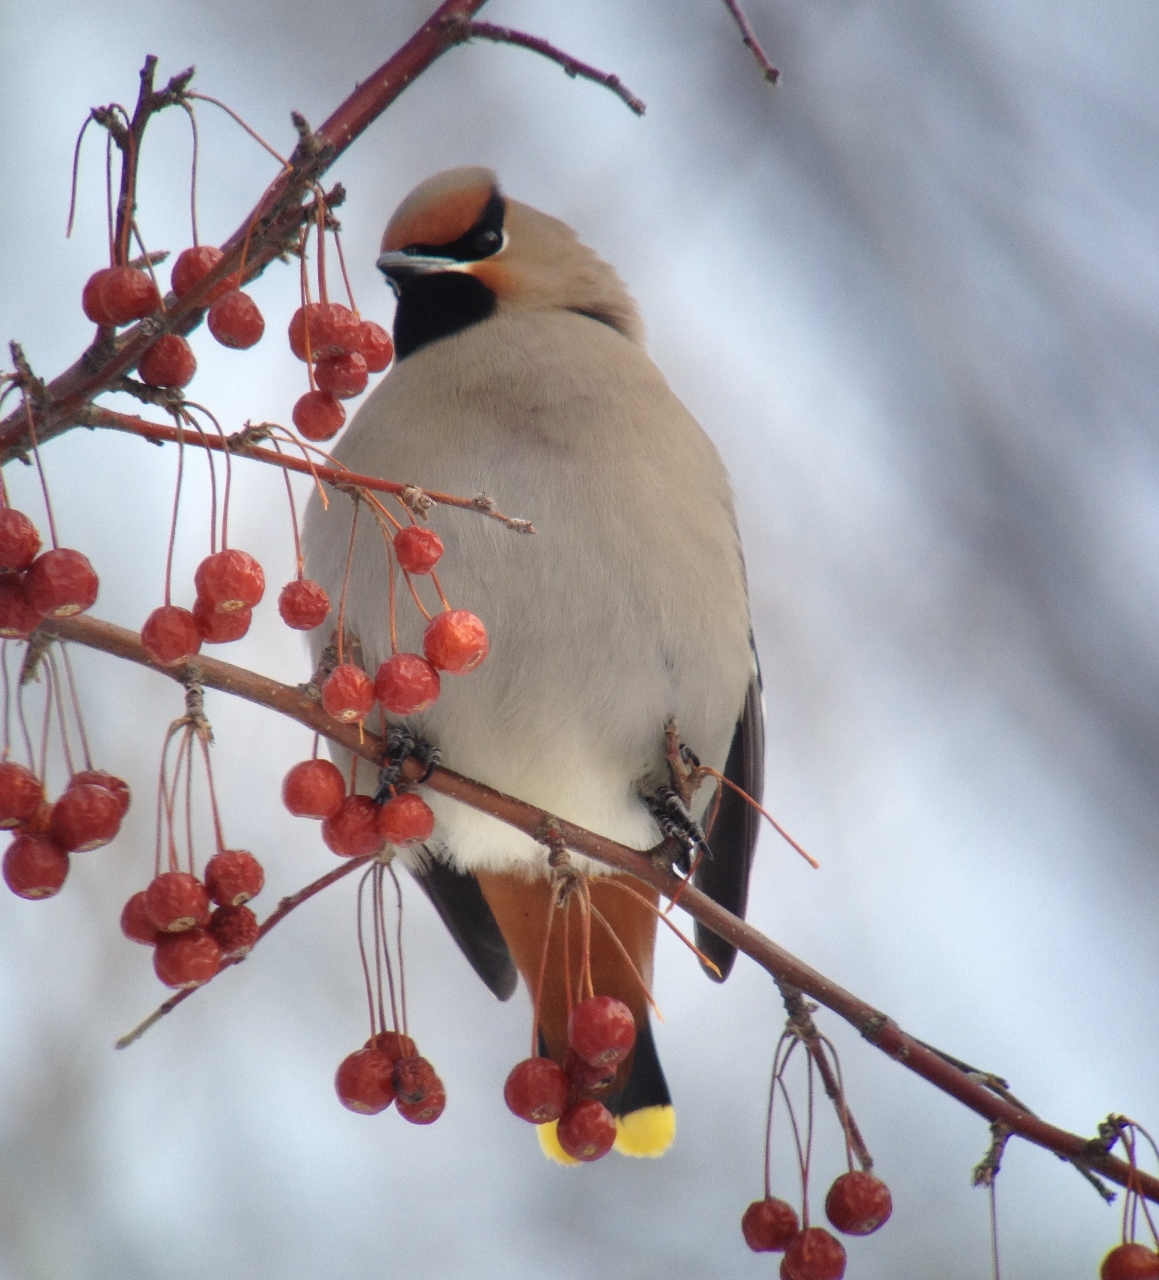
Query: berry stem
[[374, 1027], [253, 133], [630, 962], [320, 218], [188, 108], [75, 171], [434, 577], [346, 582], [345, 274], [53, 675], [298, 559], [551, 907], [173, 520], [398, 950], [39, 465]]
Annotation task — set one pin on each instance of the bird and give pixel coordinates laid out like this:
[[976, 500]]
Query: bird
[[521, 372]]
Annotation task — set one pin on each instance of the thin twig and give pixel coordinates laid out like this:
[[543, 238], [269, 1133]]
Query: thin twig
[[748, 35]]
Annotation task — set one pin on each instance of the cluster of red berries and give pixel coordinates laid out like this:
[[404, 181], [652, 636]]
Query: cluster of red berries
[[190, 936], [87, 815], [342, 350], [53, 584], [353, 826], [388, 1069], [858, 1204], [601, 1032], [1130, 1262]]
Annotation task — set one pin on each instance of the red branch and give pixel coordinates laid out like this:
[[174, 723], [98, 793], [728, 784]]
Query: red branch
[[749, 36], [878, 1028]]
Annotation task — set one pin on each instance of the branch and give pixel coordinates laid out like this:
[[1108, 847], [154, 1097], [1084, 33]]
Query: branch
[[749, 36], [573, 66], [880, 1030]]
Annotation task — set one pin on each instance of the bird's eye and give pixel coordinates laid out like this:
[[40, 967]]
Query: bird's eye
[[487, 241]]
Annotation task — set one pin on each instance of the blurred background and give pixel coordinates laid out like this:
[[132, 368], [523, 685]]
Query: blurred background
[[912, 295]]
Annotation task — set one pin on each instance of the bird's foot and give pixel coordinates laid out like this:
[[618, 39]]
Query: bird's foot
[[401, 744], [676, 823]]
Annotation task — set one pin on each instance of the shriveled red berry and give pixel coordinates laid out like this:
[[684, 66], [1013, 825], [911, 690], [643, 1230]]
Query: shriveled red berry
[[235, 930], [318, 416], [85, 817], [1130, 1262], [169, 362], [19, 540], [406, 819], [303, 325], [170, 634], [341, 376], [230, 580], [34, 867], [236, 321], [394, 1044], [585, 1076], [537, 1090], [177, 901], [455, 641], [406, 684], [20, 794], [220, 626], [334, 331], [303, 604], [352, 831], [348, 694], [135, 922], [116, 295], [233, 876], [18, 619], [428, 1111], [100, 778], [858, 1203], [586, 1130], [418, 548], [363, 1081], [414, 1078], [313, 789], [601, 1030], [193, 265], [769, 1225], [374, 346], [60, 583], [814, 1254], [187, 959]]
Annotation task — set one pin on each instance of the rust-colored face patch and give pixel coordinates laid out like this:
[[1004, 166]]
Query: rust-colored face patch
[[496, 275], [441, 219]]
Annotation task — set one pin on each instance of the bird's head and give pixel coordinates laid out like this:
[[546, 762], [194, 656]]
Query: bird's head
[[457, 250]]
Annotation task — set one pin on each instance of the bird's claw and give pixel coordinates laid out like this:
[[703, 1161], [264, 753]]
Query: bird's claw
[[401, 744], [676, 823]]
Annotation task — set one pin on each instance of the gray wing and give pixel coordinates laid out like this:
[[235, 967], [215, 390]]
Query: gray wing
[[733, 836]]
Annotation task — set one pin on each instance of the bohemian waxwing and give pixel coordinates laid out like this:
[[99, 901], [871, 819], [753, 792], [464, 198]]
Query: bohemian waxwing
[[521, 373]]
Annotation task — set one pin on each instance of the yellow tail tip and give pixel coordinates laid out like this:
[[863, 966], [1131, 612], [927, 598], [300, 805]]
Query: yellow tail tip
[[647, 1132], [549, 1143]]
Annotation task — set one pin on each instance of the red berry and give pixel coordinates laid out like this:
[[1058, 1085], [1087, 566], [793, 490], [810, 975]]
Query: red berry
[[341, 376], [318, 416], [407, 819], [374, 346], [177, 901], [235, 321], [303, 604], [135, 922], [19, 541], [769, 1225], [814, 1254], [586, 1077], [220, 626], [363, 1081], [37, 825], [427, 1111], [230, 580], [195, 264], [34, 867], [187, 959], [169, 362], [116, 295], [60, 583], [348, 694], [394, 1044], [1130, 1262], [537, 1090], [414, 1078], [406, 684], [235, 930], [601, 1030], [313, 789], [85, 817], [99, 778], [20, 794], [352, 831], [170, 634], [455, 641], [18, 619], [233, 876], [858, 1203], [303, 324], [418, 548], [586, 1130], [334, 331]]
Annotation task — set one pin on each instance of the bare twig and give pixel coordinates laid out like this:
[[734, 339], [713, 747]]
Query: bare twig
[[748, 35]]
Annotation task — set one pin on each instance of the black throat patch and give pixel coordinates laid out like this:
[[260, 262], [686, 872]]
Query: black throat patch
[[437, 306]]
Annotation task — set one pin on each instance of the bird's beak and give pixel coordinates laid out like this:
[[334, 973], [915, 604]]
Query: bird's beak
[[398, 267]]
